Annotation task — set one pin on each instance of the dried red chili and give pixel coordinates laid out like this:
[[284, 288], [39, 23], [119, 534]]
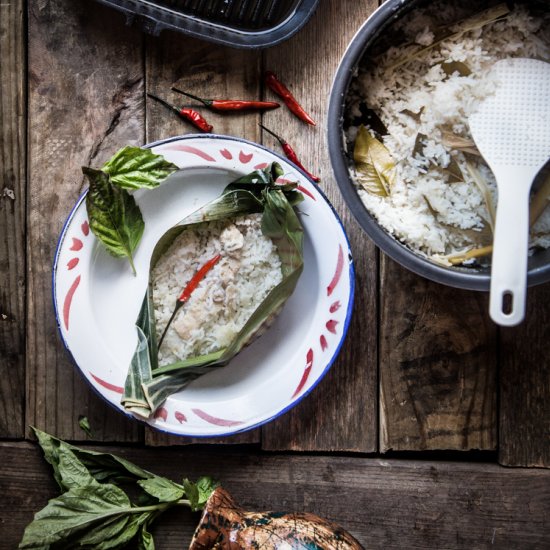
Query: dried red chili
[[290, 154], [189, 289], [187, 114], [231, 104], [284, 93]]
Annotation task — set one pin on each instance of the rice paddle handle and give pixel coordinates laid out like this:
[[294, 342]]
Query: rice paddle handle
[[511, 247]]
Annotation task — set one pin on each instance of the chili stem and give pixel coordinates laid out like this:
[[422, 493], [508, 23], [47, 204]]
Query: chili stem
[[290, 154], [278, 138], [207, 102], [192, 116], [176, 309], [165, 103]]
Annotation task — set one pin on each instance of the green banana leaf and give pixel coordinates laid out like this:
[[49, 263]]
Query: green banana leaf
[[147, 384]]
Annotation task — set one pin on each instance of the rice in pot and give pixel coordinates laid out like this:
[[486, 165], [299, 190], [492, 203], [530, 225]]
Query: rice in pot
[[443, 196], [249, 268]]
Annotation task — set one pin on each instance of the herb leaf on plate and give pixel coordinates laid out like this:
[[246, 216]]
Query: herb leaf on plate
[[136, 168], [374, 165], [114, 217]]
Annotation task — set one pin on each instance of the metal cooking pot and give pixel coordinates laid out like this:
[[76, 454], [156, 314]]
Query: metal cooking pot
[[376, 27]]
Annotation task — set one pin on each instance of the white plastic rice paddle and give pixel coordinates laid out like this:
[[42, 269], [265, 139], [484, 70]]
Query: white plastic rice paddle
[[512, 131]]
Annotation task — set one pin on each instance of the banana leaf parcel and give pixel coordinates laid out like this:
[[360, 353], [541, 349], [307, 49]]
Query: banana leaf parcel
[[148, 384]]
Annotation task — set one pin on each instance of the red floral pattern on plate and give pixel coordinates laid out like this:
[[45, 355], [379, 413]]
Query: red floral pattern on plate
[[338, 272], [161, 414], [305, 375], [189, 149], [244, 157], [215, 420], [107, 385], [180, 417], [77, 245]]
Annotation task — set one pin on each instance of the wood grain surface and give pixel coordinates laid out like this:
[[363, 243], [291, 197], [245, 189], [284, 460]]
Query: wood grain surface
[[12, 217], [85, 100], [341, 413], [437, 365], [384, 503], [524, 423], [422, 368]]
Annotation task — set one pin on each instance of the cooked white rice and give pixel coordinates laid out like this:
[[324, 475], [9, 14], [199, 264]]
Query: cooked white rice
[[230, 292], [426, 210]]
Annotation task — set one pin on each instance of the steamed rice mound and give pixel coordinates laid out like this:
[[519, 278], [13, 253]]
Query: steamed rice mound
[[420, 103], [219, 307]]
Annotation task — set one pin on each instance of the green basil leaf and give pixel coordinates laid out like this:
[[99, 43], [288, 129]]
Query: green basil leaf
[[133, 526], [109, 534], [136, 168], [199, 492], [84, 424], [206, 486], [114, 217], [101, 466], [145, 540], [373, 163], [73, 473], [163, 489], [74, 512], [192, 494]]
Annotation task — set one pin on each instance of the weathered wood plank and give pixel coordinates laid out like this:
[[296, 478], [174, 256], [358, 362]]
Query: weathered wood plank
[[207, 71], [437, 365], [85, 101], [385, 504], [341, 413], [524, 423], [12, 218]]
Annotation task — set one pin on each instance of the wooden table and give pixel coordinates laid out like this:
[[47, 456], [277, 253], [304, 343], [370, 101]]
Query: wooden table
[[404, 442]]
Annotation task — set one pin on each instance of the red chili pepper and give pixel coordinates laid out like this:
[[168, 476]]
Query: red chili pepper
[[231, 104], [188, 290], [291, 154], [197, 278], [290, 101], [187, 114]]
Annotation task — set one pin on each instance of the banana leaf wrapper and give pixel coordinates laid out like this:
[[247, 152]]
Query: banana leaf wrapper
[[147, 384]]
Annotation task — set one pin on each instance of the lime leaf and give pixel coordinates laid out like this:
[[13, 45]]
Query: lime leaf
[[373, 163]]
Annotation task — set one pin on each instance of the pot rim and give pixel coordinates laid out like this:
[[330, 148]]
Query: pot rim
[[459, 277]]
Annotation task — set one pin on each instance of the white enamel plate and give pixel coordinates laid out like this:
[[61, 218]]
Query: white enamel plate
[[97, 298]]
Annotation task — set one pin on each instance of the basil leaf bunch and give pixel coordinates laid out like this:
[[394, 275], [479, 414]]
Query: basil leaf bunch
[[114, 217], [94, 511], [148, 385]]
